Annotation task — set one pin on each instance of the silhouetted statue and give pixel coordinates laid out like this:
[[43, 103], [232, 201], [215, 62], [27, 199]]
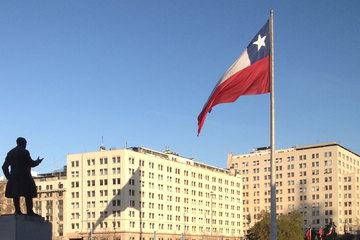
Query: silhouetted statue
[[20, 181]]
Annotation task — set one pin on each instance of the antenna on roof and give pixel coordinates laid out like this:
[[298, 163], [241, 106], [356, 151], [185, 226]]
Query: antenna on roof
[[102, 148]]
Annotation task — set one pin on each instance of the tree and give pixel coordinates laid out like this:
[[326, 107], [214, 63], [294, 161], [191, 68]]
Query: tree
[[261, 229], [288, 227]]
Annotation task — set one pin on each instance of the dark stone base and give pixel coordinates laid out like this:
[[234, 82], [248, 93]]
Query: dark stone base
[[24, 227]]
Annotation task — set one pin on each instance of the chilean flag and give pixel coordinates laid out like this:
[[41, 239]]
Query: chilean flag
[[308, 234], [249, 75], [330, 231], [321, 233]]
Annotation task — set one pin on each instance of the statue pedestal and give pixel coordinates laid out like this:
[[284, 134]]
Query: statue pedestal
[[23, 227]]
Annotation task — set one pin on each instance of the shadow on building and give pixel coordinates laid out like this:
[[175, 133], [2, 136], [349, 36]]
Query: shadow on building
[[125, 202]]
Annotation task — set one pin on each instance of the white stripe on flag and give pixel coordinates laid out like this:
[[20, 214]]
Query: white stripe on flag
[[242, 62]]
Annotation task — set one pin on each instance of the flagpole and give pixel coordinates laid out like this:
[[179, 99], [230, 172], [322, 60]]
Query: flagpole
[[273, 228]]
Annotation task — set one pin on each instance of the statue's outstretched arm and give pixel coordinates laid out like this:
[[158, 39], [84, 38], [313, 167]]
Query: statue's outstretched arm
[[34, 163]]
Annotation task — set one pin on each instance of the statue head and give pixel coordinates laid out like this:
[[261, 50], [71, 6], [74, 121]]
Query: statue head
[[21, 142]]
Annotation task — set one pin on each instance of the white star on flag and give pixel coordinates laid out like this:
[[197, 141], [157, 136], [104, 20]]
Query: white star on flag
[[260, 42]]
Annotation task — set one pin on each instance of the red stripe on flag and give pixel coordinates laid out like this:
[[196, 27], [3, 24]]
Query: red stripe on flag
[[252, 80]]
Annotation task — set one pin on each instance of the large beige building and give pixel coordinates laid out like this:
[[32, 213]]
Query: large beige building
[[142, 194], [50, 202], [319, 180]]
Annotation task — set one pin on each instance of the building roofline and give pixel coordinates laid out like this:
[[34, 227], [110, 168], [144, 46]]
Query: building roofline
[[316, 145], [166, 155], [266, 150], [326, 144], [349, 150]]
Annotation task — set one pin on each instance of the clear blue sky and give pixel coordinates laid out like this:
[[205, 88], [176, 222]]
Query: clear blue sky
[[141, 71]]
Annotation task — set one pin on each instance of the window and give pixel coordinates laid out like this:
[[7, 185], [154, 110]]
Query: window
[[315, 155], [74, 163], [302, 165], [328, 162], [302, 181], [103, 182], [151, 165], [328, 187], [116, 159], [315, 172], [328, 195], [103, 160]]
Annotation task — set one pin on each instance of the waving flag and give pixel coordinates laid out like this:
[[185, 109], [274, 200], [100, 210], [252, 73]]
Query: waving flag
[[308, 234], [321, 233], [249, 75], [330, 231]]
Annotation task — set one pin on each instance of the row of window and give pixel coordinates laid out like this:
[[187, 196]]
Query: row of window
[[289, 175], [91, 162], [161, 226], [289, 167], [350, 159], [117, 170], [279, 160]]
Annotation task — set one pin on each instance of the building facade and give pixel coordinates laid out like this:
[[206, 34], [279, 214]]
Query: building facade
[[50, 202], [6, 204], [142, 194], [320, 180]]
